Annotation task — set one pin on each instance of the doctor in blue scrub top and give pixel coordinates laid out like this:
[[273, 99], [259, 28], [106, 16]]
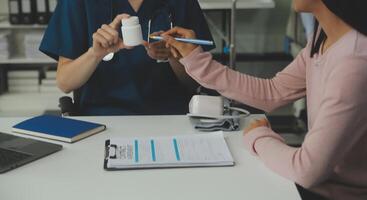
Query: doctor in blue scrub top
[[82, 32]]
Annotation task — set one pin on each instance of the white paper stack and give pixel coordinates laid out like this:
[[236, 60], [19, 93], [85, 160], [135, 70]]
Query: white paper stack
[[32, 42], [23, 81], [4, 45]]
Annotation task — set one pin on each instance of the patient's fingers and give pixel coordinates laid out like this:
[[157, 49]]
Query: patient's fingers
[[185, 33]]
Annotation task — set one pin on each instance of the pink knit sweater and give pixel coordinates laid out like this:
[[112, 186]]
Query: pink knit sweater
[[333, 158]]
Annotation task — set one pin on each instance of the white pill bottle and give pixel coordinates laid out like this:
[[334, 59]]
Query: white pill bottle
[[131, 31]]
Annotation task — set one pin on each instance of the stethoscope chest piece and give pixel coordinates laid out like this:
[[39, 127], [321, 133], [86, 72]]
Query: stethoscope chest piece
[[108, 57]]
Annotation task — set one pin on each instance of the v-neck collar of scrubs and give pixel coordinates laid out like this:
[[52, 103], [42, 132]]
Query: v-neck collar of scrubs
[[136, 12], [144, 13], [140, 9]]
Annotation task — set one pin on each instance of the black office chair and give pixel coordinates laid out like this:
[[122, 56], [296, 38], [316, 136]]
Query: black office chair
[[70, 106]]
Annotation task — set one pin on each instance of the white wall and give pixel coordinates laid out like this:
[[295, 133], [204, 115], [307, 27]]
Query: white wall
[[3, 6], [261, 30]]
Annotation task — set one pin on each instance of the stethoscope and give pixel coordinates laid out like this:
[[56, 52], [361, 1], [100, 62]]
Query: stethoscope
[[164, 6]]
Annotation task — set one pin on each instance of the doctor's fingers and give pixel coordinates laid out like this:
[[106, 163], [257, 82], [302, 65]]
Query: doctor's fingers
[[160, 55], [159, 49], [157, 45], [110, 38], [112, 32], [99, 39], [116, 23], [120, 45], [117, 47], [113, 49]]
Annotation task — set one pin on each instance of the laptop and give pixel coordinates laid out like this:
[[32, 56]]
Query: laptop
[[17, 151]]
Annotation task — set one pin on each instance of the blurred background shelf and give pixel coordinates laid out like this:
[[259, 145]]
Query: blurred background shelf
[[27, 61], [241, 4], [6, 25]]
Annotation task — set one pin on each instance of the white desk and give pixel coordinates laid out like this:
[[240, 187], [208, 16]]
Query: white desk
[[77, 172], [241, 4]]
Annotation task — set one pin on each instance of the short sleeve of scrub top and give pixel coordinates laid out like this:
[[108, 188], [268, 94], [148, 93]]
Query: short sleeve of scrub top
[[132, 83], [67, 33]]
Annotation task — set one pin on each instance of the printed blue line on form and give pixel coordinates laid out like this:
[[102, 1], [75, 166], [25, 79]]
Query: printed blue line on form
[[136, 151], [152, 146], [176, 149]]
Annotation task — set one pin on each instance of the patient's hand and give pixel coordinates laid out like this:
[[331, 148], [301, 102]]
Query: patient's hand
[[256, 124], [179, 49]]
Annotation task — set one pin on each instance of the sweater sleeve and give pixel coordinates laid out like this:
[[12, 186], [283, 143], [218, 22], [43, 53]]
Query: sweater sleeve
[[339, 125], [265, 94]]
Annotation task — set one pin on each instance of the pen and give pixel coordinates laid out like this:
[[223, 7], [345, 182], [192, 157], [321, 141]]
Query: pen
[[192, 41]]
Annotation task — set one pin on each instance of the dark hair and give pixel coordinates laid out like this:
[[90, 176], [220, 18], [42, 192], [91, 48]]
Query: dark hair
[[351, 12], [319, 37]]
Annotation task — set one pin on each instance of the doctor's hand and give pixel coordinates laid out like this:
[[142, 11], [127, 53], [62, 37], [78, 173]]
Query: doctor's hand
[[179, 49], [256, 124], [157, 50], [106, 40]]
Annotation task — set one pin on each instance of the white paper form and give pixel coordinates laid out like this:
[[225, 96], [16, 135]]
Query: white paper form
[[190, 150]]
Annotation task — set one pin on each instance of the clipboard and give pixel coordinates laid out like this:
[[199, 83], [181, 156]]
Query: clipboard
[[106, 154], [208, 150]]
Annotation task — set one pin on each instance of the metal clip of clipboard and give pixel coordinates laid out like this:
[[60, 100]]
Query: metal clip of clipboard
[[108, 149]]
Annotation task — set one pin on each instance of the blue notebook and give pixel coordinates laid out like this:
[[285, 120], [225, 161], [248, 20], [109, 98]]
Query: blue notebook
[[58, 128]]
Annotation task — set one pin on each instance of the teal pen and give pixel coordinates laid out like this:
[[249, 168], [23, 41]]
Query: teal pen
[[192, 41]]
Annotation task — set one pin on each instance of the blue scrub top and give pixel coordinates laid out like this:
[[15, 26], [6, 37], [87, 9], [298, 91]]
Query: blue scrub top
[[132, 83]]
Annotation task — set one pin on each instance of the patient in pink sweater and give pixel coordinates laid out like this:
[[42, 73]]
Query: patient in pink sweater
[[332, 73]]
